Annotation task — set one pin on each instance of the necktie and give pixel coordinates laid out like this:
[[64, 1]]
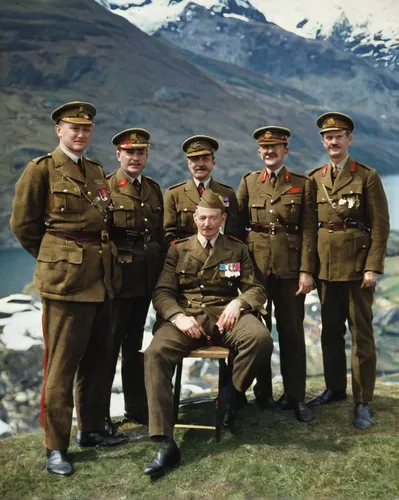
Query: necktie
[[273, 179], [79, 164], [334, 173], [201, 188], [208, 247], [137, 185]]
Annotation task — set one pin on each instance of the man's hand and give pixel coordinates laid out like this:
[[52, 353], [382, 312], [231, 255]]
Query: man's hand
[[369, 279], [229, 316], [305, 283], [188, 325]]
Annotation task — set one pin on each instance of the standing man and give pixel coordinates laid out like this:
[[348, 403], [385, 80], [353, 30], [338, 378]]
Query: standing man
[[277, 208], [61, 216], [182, 199], [353, 232], [197, 296], [138, 234]]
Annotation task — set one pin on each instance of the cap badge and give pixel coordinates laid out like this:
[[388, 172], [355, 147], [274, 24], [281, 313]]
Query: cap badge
[[82, 113], [268, 134], [134, 138], [330, 121]]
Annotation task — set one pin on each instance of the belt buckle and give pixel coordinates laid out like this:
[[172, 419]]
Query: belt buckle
[[104, 237], [330, 226], [272, 228]]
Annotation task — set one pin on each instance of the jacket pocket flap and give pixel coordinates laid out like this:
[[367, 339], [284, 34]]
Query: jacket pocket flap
[[351, 189], [58, 253], [291, 199], [61, 186], [122, 203], [258, 202], [186, 267], [186, 206]]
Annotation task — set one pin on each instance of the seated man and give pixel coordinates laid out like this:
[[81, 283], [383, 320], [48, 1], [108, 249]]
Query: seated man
[[197, 299]]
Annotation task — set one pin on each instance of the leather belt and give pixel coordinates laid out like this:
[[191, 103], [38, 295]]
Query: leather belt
[[342, 226], [273, 228], [81, 236], [120, 235]]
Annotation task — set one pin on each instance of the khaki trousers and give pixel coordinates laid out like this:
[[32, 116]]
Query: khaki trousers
[[341, 301], [77, 343], [249, 338]]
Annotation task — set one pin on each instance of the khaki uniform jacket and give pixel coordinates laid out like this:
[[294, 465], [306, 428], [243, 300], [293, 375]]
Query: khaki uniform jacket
[[138, 219], [358, 195], [45, 200], [182, 199], [292, 203], [197, 285]]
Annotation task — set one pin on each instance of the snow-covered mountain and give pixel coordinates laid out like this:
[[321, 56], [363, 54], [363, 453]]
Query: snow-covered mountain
[[369, 29]]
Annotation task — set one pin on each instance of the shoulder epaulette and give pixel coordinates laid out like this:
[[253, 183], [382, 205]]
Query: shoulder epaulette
[[315, 170], [224, 185], [302, 176], [40, 158], [177, 185], [152, 180], [234, 238], [363, 165], [110, 175], [180, 241], [93, 161]]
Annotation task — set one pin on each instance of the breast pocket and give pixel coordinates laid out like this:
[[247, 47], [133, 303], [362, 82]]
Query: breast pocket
[[322, 207], [291, 205], [350, 200], [187, 272], [124, 212], [258, 210], [185, 215], [155, 214], [66, 197]]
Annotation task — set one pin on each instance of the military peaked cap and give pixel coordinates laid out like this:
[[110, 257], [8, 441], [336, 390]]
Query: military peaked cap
[[75, 112], [132, 138], [199, 145], [334, 120], [271, 135]]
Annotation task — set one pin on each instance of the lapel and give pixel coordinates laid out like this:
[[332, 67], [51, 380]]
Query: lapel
[[127, 189], [283, 184], [326, 176], [344, 177], [196, 250], [191, 191], [264, 184], [221, 252], [66, 166], [145, 188]]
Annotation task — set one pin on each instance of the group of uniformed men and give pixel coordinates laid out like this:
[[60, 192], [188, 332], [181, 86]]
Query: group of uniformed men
[[209, 260]]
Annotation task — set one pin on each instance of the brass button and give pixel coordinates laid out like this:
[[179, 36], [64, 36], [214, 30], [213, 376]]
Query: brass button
[[100, 252], [142, 204], [65, 190], [62, 209], [270, 211], [89, 193], [121, 206], [185, 209], [202, 286], [145, 219], [183, 271], [292, 201], [271, 201], [146, 230]]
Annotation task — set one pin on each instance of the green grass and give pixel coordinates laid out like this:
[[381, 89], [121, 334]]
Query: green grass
[[266, 456]]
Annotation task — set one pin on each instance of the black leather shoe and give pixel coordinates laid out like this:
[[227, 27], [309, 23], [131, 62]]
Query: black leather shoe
[[86, 439], [140, 417], [58, 464], [326, 397], [285, 402], [302, 412], [168, 456], [109, 426], [362, 419]]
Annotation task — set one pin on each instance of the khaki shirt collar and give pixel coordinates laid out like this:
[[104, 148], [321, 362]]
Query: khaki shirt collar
[[73, 157], [341, 164], [203, 241], [275, 171], [206, 183]]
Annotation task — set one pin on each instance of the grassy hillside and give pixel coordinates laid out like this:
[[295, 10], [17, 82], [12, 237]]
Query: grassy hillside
[[266, 456]]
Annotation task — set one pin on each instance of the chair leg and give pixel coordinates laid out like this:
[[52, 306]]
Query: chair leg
[[219, 415], [176, 393]]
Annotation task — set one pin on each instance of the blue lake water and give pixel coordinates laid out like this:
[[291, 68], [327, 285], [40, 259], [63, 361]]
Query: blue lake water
[[17, 266]]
